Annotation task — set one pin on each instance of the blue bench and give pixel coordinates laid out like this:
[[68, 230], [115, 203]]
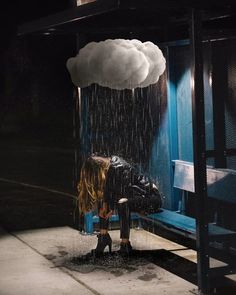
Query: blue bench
[[91, 219], [185, 225], [221, 185]]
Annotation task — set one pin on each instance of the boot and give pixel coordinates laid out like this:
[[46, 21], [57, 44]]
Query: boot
[[103, 241], [125, 248]]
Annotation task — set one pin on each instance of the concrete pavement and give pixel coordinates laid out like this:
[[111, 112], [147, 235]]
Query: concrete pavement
[[24, 271], [38, 262]]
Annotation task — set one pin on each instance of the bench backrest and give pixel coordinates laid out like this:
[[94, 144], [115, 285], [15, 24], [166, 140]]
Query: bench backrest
[[221, 183]]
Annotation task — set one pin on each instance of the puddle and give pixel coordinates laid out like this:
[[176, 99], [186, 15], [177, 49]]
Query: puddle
[[60, 248], [147, 277], [62, 253], [50, 256], [114, 263], [146, 261]]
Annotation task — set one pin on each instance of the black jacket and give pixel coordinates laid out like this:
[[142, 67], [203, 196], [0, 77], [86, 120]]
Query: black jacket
[[123, 181]]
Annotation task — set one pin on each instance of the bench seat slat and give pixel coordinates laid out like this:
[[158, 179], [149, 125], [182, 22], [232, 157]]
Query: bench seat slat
[[188, 224]]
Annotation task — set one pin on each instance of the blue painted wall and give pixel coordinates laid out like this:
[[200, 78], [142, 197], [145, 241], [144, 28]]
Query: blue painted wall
[[160, 163], [208, 96], [180, 61]]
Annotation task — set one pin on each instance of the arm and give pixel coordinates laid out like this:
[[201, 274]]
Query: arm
[[104, 212]]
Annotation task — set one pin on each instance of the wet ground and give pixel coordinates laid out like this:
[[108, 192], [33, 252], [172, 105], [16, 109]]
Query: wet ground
[[66, 250], [118, 264]]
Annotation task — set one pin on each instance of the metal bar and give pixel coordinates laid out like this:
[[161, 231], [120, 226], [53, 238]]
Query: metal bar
[[227, 153], [230, 152], [207, 36], [219, 92], [172, 4], [150, 4], [174, 9], [68, 16], [199, 146]]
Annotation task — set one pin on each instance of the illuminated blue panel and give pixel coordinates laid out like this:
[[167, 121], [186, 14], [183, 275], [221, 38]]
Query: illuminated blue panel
[[184, 102]]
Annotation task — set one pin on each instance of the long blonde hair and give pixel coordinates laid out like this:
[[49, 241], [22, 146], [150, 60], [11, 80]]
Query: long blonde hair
[[92, 183]]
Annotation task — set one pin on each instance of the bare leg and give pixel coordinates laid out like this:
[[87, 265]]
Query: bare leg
[[103, 231]]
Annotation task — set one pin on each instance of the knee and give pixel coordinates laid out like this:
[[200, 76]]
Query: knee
[[122, 201]]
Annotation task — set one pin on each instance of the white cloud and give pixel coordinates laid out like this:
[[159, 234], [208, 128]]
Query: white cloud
[[118, 64]]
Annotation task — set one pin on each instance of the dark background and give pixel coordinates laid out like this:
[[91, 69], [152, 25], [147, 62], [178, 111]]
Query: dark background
[[35, 89], [36, 120]]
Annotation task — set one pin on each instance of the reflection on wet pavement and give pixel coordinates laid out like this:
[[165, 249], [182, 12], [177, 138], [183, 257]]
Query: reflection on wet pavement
[[119, 265]]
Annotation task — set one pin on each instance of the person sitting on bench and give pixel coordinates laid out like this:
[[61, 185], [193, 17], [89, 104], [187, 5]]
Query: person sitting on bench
[[107, 183]]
